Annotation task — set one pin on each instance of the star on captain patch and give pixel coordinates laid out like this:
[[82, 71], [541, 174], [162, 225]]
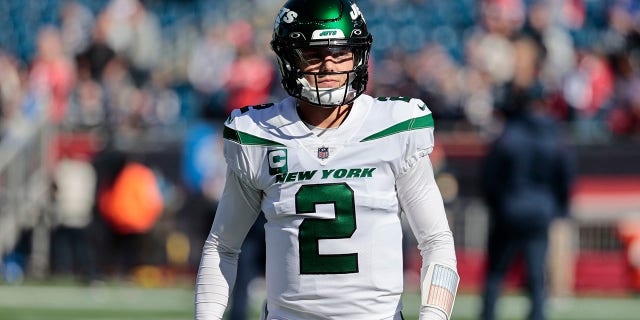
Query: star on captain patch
[[323, 153]]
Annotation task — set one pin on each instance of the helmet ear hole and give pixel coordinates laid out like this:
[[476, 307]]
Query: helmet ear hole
[[297, 36]]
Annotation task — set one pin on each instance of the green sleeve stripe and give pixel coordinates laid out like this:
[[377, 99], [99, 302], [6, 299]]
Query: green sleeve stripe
[[411, 124], [247, 139]]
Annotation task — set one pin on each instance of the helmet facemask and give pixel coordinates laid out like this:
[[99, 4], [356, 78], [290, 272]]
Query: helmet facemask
[[328, 97]]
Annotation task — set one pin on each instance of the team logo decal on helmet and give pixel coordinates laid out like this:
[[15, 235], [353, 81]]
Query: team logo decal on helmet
[[355, 12], [286, 16], [334, 25], [327, 34]]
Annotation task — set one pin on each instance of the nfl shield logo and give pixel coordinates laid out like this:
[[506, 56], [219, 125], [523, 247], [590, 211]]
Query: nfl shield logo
[[323, 153]]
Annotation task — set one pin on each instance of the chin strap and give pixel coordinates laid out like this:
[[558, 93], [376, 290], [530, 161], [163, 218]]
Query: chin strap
[[331, 97], [439, 287]]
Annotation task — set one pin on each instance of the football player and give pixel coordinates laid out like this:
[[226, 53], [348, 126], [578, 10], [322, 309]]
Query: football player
[[332, 170]]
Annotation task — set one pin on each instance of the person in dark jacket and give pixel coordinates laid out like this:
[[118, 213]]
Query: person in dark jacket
[[526, 181]]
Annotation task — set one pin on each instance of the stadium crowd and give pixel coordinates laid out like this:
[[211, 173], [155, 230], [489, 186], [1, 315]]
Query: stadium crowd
[[165, 71]]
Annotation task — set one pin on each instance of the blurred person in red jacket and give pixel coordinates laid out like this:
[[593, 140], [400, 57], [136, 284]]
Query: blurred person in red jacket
[[251, 75], [53, 74]]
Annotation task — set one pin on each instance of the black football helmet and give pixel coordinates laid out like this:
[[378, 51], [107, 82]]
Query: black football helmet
[[335, 25]]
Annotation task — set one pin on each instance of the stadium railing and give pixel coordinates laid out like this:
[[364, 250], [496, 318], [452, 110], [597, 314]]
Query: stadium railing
[[24, 187]]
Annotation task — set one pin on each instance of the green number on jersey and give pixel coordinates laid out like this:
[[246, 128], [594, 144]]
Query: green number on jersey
[[257, 107], [312, 229]]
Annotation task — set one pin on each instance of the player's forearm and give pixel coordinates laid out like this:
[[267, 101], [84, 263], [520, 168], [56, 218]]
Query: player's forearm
[[438, 289], [235, 215], [422, 202], [215, 279], [439, 277], [438, 248]]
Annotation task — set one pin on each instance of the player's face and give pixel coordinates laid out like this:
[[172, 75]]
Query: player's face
[[334, 59]]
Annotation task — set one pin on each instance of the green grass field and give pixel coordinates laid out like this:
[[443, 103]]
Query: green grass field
[[110, 302]]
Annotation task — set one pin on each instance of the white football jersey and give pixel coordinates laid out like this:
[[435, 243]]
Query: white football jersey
[[333, 231]]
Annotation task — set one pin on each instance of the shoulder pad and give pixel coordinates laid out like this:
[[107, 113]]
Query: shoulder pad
[[405, 104], [242, 125], [246, 111], [399, 114]]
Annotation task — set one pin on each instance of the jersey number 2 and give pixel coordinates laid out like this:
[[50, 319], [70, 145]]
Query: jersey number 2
[[312, 229]]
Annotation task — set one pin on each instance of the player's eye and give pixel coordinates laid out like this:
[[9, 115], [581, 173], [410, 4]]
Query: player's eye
[[315, 56], [312, 57], [341, 53]]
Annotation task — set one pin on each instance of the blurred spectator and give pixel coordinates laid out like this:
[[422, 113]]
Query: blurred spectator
[[577, 35], [625, 118], [134, 32], [588, 90], [489, 48], [392, 67], [165, 105], [556, 41], [203, 174], [77, 22], [98, 53], [130, 202], [438, 76], [526, 181], [251, 74], [134, 202], [74, 189], [622, 45], [86, 108], [53, 74], [490, 56], [209, 69], [573, 13], [118, 86], [10, 91]]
